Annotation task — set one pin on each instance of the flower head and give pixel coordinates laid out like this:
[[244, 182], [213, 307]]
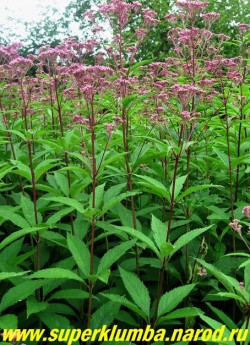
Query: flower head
[[109, 127], [235, 226], [246, 211], [244, 27], [202, 271]]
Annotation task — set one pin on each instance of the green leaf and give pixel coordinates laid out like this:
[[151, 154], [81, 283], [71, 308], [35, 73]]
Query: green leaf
[[247, 277], [19, 293], [223, 317], [28, 211], [230, 283], [191, 190], [128, 101], [244, 264], [223, 157], [125, 302], [140, 236], [173, 298], [18, 133], [62, 183], [113, 158], [217, 325], [137, 290], [112, 192], [5, 170], [54, 321], [105, 315], [59, 215], [114, 255], [55, 237], [231, 295], [55, 273], [178, 186], [135, 66], [17, 234], [69, 294], [114, 201], [34, 307], [181, 313], [8, 321], [8, 275], [22, 170], [67, 201], [43, 167], [188, 237], [99, 193], [167, 249], [80, 253], [159, 231], [154, 186], [14, 218]]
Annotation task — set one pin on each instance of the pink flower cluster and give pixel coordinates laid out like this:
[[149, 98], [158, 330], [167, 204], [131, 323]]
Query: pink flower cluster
[[109, 127], [244, 27], [235, 226], [246, 211], [150, 17], [119, 8], [210, 17], [193, 5]]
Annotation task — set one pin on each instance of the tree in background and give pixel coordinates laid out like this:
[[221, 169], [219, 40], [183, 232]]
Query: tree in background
[[157, 45]]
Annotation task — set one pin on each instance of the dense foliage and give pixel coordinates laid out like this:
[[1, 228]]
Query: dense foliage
[[125, 184]]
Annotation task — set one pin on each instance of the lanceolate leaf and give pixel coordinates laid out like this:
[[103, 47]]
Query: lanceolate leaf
[[230, 283], [170, 300], [34, 306], [62, 183], [154, 186], [54, 321], [68, 202], [181, 313], [223, 157], [22, 170], [114, 201], [8, 321], [191, 190], [28, 211], [188, 237], [58, 215], [80, 253], [43, 167], [217, 325], [140, 236], [104, 315], [112, 192], [99, 193], [178, 186], [14, 218], [114, 254], [247, 277], [137, 290], [159, 231], [19, 293], [17, 234], [55, 273], [233, 296], [125, 302], [70, 294], [223, 317], [8, 275]]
